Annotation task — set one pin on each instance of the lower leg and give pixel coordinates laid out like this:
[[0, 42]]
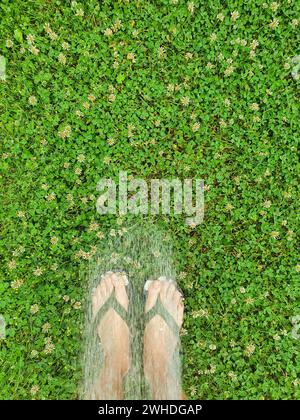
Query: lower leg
[[161, 381], [109, 385]]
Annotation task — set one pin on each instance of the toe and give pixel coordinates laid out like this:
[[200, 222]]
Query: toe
[[180, 309], [97, 298], [177, 297], [171, 290], [120, 291], [103, 285], [163, 290], [108, 284], [153, 292]]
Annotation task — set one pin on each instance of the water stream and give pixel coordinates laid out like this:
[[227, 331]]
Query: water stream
[[144, 253]]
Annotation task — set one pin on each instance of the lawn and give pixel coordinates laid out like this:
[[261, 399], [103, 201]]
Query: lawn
[[159, 89]]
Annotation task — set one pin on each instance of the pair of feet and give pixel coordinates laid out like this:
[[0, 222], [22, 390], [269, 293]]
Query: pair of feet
[[159, 341]]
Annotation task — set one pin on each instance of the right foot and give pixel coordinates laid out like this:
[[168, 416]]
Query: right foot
[[112, 330], [159, 341]]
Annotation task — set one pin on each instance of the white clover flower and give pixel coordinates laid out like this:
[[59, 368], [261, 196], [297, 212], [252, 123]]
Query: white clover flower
[[108, 32], [34, 309], [185, 100], [235, 15], [32, 100], [34, 390], [9, 43], [191, 7], [274, 24]]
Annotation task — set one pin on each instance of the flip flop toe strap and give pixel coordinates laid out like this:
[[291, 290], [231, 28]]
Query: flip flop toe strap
[[159, 309], [111, 303]]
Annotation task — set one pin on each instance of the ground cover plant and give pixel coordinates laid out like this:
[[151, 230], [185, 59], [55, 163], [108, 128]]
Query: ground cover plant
[[160, 89]]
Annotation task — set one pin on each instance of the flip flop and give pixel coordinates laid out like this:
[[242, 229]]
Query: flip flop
[[95, 353], [159, 309], [111, 302]]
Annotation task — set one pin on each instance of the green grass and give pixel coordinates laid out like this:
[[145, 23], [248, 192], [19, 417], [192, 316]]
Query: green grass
[[238, 268]]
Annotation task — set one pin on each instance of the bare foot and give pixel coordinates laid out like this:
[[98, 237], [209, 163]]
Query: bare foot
[[159, 341], [114, 337]]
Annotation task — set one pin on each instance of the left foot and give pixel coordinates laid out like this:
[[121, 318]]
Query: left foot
[[112, 330]]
